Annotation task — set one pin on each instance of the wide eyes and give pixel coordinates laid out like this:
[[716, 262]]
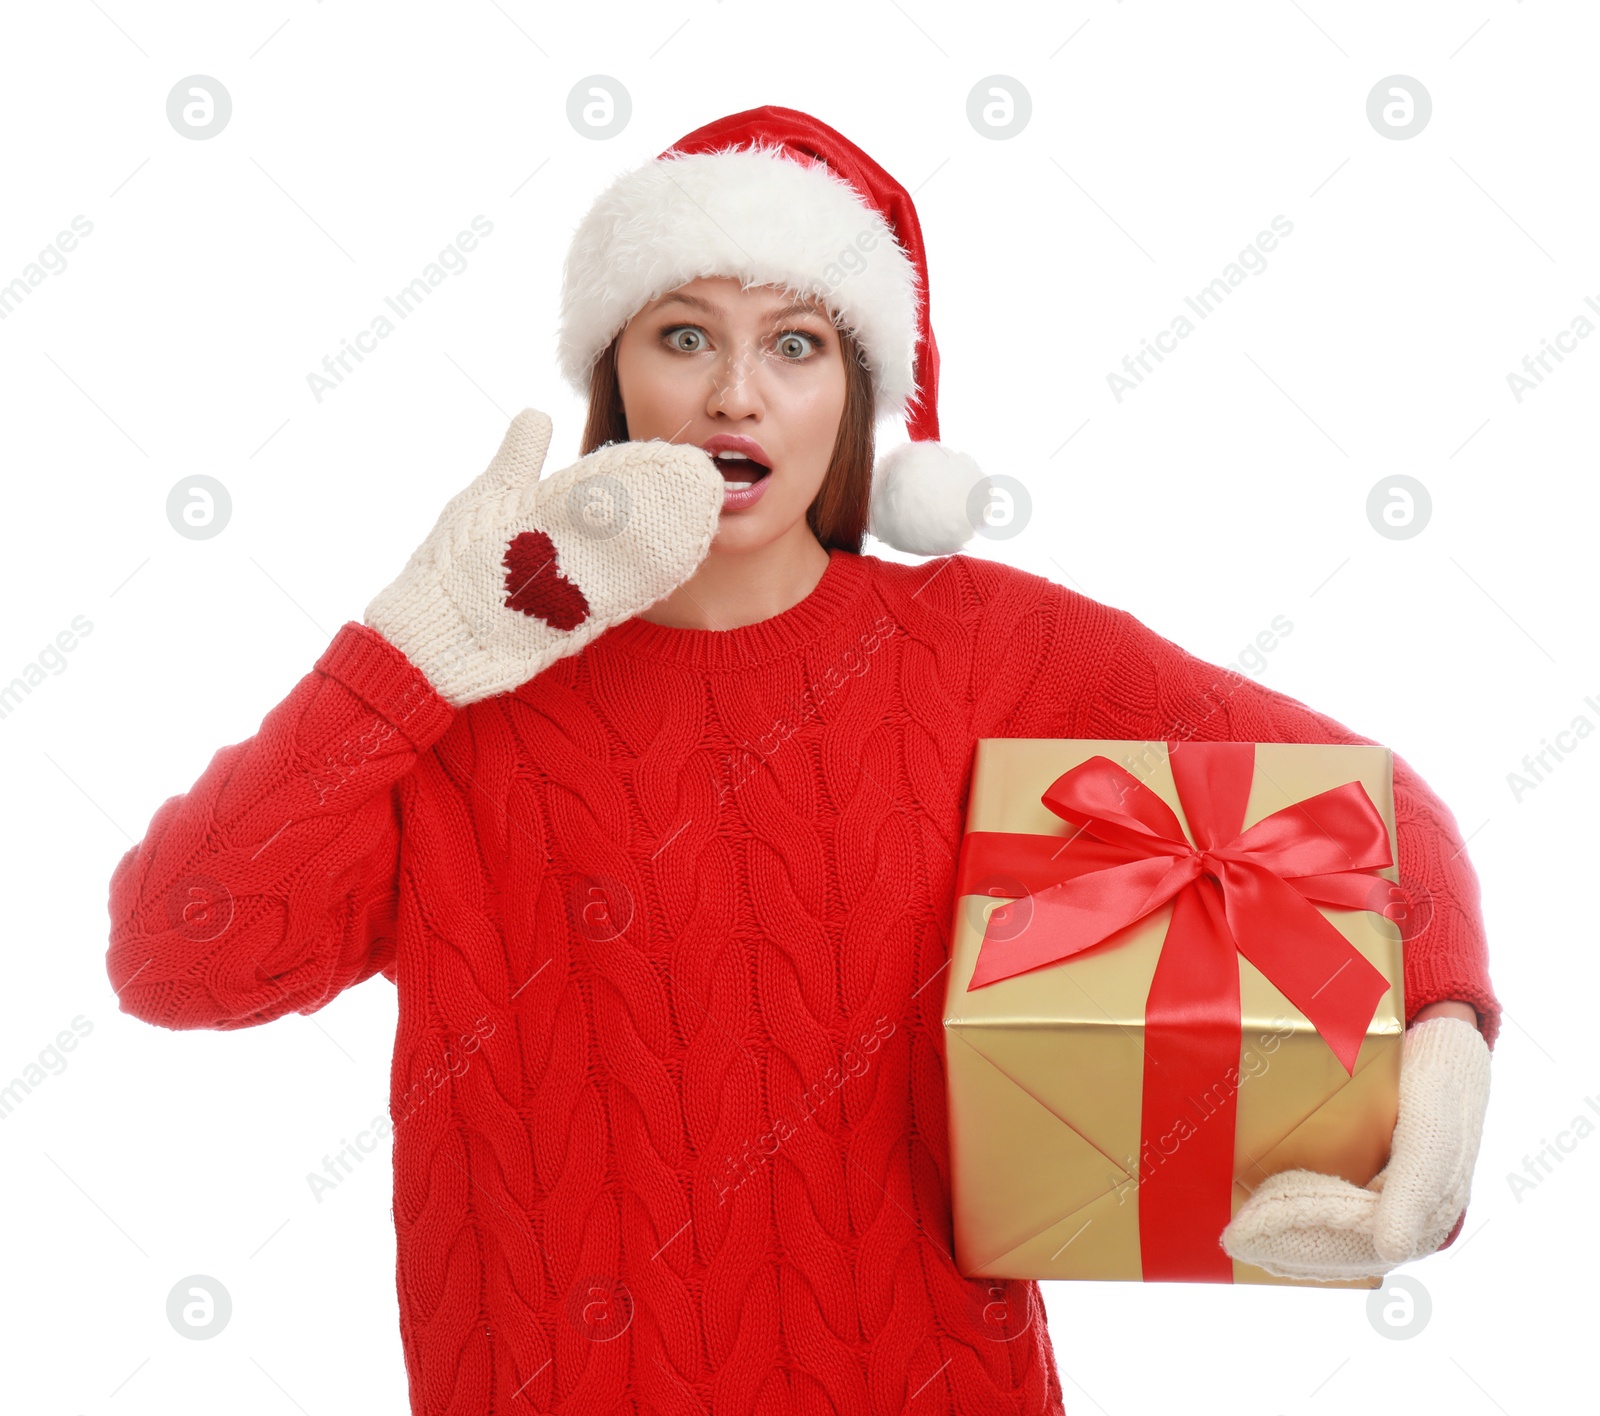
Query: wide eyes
[[686, 339], [789, 338], [795, 346]]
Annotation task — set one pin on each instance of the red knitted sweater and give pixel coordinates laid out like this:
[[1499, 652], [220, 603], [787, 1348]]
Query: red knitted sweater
[[667, 925]]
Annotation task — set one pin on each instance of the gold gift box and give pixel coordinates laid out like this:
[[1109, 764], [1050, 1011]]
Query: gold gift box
[[1044, 1070]]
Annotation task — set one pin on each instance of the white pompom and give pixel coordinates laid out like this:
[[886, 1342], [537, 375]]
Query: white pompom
[[920, 498]]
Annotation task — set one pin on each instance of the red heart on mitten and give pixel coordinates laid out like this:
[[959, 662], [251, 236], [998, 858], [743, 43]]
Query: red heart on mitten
[[534, 585]]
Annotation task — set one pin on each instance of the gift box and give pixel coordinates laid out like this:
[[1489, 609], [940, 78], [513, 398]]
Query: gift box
[[1174, 971]]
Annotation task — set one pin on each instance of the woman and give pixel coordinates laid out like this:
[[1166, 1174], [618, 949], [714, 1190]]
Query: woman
[[645, 788]]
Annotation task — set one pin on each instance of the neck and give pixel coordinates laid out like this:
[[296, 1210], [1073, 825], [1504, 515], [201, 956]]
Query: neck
[[734, 587]]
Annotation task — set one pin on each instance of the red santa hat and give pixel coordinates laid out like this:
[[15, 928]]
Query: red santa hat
[[773, 196]]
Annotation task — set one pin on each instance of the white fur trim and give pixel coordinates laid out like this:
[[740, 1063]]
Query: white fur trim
[[754, 214], [921, 493]]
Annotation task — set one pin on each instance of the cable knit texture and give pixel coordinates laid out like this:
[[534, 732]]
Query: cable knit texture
[[668, 924]]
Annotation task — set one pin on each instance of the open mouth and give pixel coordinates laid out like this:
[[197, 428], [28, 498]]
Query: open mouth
[[739, 471]]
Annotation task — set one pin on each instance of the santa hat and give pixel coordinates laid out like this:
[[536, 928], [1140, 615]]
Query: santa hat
[[773, 196]]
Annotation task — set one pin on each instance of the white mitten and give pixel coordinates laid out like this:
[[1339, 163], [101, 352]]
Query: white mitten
[[519, 572], [1303, 1224]]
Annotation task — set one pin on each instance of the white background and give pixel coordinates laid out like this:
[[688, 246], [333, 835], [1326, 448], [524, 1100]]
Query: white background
[[1229, 488]]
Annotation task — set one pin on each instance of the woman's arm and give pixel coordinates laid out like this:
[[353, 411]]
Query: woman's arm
[[270, 885], [1075, 668], [1447, 1008], [1099, 672], [1149, 679]]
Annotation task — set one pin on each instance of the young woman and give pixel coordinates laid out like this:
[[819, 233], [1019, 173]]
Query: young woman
[[645, 787]]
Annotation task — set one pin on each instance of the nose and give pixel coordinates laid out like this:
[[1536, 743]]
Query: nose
[[734, 378]]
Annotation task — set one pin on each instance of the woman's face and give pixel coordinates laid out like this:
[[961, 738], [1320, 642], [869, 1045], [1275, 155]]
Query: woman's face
[[711, 361]]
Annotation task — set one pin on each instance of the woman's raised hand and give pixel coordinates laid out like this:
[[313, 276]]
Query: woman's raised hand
[[519, 572]]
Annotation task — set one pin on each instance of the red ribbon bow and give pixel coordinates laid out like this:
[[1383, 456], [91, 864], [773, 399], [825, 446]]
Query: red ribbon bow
[[1234, 892]]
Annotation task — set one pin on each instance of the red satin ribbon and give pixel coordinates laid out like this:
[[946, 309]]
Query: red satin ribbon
[[1234, 892]]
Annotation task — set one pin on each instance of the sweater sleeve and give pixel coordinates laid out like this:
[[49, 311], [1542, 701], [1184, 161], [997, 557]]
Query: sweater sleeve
[[270, 886], [1105, 674]]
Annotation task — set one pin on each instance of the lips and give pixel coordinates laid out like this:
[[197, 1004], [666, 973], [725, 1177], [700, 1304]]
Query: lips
[[739, 459]]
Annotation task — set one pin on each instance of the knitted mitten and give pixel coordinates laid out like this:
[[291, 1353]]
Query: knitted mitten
[[519, 572], [1303, 1224]]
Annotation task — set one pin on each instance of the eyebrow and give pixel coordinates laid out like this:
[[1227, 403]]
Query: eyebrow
[[696, 303]]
